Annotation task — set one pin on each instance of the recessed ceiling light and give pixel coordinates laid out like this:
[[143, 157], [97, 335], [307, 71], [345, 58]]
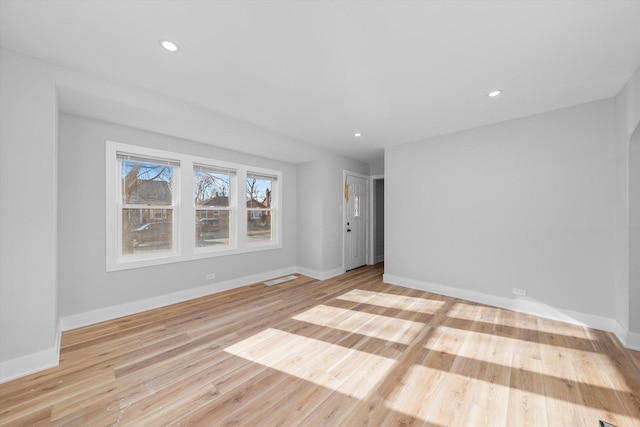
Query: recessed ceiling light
[[357, 134], [170, 46], [494, 93]]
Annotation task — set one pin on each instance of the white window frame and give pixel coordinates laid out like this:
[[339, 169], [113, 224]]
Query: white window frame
[[185, 210], [233, 184], [276, 221]]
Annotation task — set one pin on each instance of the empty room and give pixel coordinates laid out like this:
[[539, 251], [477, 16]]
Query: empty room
[[319, 213]]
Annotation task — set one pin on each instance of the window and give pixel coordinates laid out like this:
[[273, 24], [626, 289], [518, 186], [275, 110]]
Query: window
[[147, 204], [164, 207], [214, 211], [259, 208]]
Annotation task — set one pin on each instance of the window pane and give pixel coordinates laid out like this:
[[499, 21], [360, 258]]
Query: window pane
[[147, 230], [259, 226], [145, 183], [259, 192], [211, 188], [212, 228]]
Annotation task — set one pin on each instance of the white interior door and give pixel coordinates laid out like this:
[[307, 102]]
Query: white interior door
[[355, 222]]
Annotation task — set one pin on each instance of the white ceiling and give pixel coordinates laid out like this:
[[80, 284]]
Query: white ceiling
[[318, 71]]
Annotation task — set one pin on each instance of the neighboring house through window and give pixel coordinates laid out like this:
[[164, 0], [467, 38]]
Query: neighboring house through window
[[214, 212], [259, 208], [146, 196]]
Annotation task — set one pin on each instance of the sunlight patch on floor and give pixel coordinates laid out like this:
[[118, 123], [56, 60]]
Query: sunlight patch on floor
[[565, 326], [401, 302], [372, 325], [420, 395], [602, 371], [592, 369], [583, 415], [348, 371], [493, 345], [470, 312]]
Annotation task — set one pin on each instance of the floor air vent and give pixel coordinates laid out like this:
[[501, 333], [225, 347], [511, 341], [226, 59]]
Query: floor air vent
[[282, 280]]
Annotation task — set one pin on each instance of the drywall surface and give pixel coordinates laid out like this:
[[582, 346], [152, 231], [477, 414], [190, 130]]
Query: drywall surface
[[320, 213], [310, 220], [83, 282], [377, 167], [634, 232], [627, 120], [528, 203], [28, 317]]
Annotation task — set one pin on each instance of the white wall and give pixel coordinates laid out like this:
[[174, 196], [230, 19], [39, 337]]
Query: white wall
[[627, 293], [320, 231], [83, 282], [634, 233], [528, 203], [28, 289], [310, 218], [377, 167]]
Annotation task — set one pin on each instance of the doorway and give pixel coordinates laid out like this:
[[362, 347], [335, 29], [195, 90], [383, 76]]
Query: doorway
[[377, 220]]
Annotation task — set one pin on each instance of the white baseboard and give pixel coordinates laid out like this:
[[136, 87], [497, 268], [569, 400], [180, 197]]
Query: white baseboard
[[523, 305], [320, 275], [31, 363], [632, 341], [109, 313], [379, 258]]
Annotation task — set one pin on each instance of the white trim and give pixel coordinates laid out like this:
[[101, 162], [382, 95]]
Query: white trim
[[280, 280], [320, 275], [109, 313], [32, 363], [523, 305], [632, 341], [379, 258]]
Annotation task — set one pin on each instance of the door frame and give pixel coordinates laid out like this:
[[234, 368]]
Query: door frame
[[373, 219], [367, 211]]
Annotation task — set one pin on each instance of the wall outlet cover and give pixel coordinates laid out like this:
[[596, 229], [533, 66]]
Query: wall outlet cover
[[520, 292]]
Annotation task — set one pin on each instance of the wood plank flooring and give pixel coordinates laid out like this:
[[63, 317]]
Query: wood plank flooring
[[350, 351]]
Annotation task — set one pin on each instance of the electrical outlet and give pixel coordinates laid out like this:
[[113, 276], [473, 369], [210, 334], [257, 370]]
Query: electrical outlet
[[210, 276], [520, 292]]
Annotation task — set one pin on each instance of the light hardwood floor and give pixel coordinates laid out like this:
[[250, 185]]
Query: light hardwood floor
[[350, 351]]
